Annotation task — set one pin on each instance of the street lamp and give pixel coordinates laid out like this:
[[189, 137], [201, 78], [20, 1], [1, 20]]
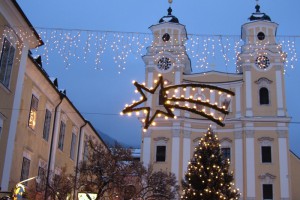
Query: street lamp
[[20, 188]]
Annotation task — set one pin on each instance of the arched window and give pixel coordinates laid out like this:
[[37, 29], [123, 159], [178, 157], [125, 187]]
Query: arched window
[[263, 96], [225, 102]]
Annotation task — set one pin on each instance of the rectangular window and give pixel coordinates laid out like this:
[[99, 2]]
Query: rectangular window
[[33, 112], [41, 172], [61, 136], [225, 153], [25, 169], [160, 153], [73, 144], [266, 156], [47, 125], [6, 62], [267, 191], [42, 176]]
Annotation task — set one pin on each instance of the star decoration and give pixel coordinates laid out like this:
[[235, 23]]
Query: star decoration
[[149, 113], [173, 102], [180, 103]]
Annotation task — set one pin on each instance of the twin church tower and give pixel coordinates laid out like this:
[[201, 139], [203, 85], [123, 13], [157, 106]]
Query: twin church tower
[[256, 135]]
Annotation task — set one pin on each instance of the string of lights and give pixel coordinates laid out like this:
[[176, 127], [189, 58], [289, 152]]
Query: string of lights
[[91, 47]]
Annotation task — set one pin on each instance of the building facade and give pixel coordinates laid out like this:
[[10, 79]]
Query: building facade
[[256, 135], [14, 51], [40, 128]]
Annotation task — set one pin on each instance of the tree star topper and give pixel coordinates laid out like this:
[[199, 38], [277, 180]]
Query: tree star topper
[[172, 102]]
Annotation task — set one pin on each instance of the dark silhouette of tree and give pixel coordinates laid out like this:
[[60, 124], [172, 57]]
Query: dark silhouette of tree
[[112, 173], [59, 186], [158, 185], [208, 175], [104, 171]]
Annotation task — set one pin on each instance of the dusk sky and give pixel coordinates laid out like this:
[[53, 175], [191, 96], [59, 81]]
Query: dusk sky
[[100, 95]]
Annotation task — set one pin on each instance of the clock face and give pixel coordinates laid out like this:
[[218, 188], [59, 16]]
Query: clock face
[[166, 37], [262, 62], [164, 64]]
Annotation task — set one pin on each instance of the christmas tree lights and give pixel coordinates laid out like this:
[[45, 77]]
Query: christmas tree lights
[[208, 175]]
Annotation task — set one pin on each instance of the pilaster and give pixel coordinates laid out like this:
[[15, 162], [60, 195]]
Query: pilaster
[[283, 162], [250, 164], [248, 80], [147, 148], [186, 150], [239, 168], [175, 151]]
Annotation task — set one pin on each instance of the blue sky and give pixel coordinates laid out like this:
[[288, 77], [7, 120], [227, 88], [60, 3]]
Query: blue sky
[[101, 95]]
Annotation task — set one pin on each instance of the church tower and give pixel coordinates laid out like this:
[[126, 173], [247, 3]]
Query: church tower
[[166, 56], [261, 62]]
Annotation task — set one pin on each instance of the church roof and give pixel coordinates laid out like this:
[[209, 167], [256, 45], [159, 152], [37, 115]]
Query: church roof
[[169, 17], [258, 15]]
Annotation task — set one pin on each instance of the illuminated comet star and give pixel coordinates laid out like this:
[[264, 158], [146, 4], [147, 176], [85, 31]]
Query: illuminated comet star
[[171, 103]]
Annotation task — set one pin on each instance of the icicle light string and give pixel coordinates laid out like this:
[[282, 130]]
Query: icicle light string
[[92, 46]]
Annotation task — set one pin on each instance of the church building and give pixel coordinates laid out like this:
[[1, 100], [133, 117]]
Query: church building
[[256, 133]]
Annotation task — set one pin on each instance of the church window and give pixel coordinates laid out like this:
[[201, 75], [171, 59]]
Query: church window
[[266, 154], [160, 153], [225, 153], [161, 149], [263, 96], [267, 191], [225, 102], [33, 112], [6, 62], [226, 148]]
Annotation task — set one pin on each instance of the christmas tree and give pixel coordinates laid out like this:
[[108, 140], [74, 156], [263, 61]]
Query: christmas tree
[[208, 175]]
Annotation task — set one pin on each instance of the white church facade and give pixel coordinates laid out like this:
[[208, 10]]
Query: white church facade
[[256, 135]]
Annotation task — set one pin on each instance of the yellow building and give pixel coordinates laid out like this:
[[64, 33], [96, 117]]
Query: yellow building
[[40, 128], [256, 135], [14, 50]]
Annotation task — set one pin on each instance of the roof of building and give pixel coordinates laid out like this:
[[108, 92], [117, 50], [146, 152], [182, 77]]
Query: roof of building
[[169, 17], [62, 93], [293, 153], [28, 22], [258, 15]]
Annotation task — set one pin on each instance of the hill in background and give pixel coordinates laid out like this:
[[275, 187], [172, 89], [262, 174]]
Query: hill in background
[[110, 142]]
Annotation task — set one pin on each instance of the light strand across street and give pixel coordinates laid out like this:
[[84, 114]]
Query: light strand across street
[[93, 47]]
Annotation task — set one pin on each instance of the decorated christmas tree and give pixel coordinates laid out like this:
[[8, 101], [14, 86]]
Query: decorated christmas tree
[[208, 175]]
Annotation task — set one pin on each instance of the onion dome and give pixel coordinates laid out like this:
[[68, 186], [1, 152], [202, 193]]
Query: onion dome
[[258, 15], [169, 17]]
